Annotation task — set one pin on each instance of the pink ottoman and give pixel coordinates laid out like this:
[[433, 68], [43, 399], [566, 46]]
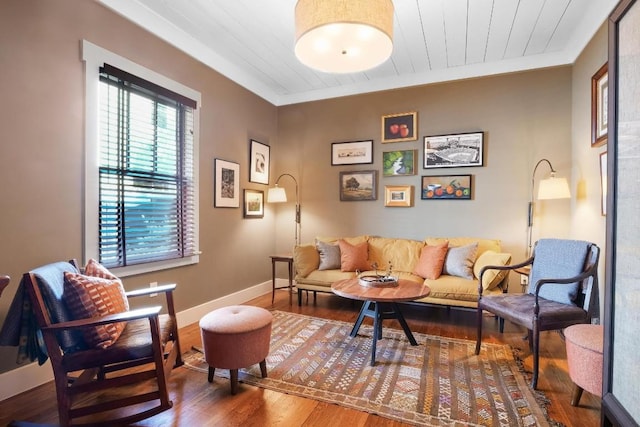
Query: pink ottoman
[[584, 357], [236, 337]]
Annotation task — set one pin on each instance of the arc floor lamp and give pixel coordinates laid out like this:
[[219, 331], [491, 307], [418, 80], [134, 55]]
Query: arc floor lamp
[[278, 195], [549, 188]]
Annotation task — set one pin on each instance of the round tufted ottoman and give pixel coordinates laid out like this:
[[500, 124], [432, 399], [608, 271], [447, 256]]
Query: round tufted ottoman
[[236, 337], [584, 357]]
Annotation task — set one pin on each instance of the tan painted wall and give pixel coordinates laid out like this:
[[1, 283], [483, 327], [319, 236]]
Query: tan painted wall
[[586, 220], [41, 148], [525, 117]]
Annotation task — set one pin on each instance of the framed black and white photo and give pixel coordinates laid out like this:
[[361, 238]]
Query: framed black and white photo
[[455, 150], [352, 153], [259, 163], [253, 203], [226, 184]]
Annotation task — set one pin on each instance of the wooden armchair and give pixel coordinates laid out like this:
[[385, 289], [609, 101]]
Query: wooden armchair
[[91, 381], [563, 291]]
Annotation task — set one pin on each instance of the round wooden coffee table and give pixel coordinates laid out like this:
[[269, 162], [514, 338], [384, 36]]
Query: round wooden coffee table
[[381, 303]]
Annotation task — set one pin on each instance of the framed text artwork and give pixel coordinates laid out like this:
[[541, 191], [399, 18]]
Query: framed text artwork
[[599, 102], [352, 153], [259, 163], [253, 203], [400, 127], [358, 186], [455, 150], [399, 163], [226, 184], [446, 187]]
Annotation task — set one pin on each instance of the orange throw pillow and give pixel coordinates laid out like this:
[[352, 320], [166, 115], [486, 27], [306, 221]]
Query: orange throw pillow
[[88, 297], [354, 257], [95, 269], [431, 261]]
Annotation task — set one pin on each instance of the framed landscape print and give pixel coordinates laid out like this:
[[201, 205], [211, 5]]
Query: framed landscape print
[[226, 184], [399, 163], [400, 127], [446, 187], [358, 186], [259, 163], [253, 203], [398, 196], [456, 150], [351, 153], [599, 98]]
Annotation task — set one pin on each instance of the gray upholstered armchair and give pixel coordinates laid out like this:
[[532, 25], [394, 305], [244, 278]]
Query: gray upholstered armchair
[[563, 291]]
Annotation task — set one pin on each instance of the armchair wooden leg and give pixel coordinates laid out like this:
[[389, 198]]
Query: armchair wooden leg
[[479, 336], [536, 357], [212, 371], [263, 368], [576, 395]]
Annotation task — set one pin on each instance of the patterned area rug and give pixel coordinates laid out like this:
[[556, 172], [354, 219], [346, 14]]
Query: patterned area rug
[[440, 382]]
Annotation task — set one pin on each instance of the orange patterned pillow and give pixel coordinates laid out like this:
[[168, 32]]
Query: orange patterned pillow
[[431, 261], [88, 297], [354, 257], [95, 269]]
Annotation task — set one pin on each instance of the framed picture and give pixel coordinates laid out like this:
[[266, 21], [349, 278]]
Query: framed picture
[[599, 102], [399, 163], [400, 127], [398, 196], [226, 184], [358, 185], [352, 153], [253, 203], [449, 187], [456, 150], [259, 163], [603, 183]]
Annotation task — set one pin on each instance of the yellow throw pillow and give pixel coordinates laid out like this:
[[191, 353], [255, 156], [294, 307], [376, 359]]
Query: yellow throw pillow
[[431, 261], [305, 259], [354, 257], [491, 278]]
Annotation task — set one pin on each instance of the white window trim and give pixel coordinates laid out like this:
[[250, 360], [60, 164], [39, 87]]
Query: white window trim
[[94, 57]]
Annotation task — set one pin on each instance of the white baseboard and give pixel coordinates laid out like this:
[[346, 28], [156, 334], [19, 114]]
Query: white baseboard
[[32, 375]]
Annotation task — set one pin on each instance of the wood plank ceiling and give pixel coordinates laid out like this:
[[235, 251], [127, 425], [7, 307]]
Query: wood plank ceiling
[[251, 41]]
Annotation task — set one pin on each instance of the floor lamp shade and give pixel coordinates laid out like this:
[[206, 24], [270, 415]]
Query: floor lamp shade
[[343, 36], [553, 188], [276, 195]]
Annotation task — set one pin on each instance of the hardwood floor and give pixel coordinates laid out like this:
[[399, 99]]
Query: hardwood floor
[[199, 403]]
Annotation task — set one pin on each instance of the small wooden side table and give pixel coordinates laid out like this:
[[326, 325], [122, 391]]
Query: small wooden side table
[[289, 260]]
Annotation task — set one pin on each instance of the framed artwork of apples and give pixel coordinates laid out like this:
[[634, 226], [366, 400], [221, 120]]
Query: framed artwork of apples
[[446, 187], [400, 127], [455, 150]]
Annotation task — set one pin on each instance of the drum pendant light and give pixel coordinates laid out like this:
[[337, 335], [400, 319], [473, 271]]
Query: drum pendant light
[[343, 36]]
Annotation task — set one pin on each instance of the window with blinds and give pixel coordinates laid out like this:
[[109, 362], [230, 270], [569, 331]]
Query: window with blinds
[[146, 171]]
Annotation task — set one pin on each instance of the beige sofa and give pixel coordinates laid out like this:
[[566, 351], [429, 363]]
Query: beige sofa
[[404, 256]]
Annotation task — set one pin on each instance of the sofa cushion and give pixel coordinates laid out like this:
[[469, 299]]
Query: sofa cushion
[[329, 255], [491, 278], [327, 277], [354, 257], [483, 244], [431, 261], [88, 297], [354, 240], [452, 287], [306, 259], [459, 261], [403, 254]]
